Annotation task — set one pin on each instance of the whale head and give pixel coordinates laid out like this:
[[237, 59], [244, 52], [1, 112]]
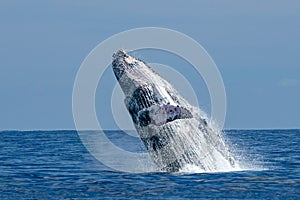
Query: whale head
[[130, 72], [149, 98]]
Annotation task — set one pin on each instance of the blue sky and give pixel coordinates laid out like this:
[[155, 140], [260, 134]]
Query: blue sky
[[255, 44]]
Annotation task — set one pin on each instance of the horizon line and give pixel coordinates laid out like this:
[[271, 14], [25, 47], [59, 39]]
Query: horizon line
[[226, 129]]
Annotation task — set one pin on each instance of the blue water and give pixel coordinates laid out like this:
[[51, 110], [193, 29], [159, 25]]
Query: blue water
[[56, 165]]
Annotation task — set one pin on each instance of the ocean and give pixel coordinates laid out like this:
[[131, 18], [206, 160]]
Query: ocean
[[56, 165]]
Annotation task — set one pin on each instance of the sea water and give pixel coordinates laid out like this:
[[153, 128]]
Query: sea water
[[56, 165]]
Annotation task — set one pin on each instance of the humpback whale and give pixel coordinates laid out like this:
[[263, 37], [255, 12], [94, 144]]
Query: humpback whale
[[174, 133]]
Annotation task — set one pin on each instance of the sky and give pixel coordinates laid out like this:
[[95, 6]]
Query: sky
[[255, 45]]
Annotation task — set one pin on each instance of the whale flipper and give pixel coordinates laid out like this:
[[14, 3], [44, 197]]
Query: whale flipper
[[161, 114]]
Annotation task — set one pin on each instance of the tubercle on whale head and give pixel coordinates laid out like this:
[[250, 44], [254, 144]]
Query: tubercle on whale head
[[130, 72], [125, 64], [122, 63], [121, 53]]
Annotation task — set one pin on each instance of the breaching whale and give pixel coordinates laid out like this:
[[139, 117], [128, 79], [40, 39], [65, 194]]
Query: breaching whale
[[174, 133]]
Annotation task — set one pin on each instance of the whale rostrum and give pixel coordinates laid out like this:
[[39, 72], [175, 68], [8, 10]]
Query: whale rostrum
[[174, 132]]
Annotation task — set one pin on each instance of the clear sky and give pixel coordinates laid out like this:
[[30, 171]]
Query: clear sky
[[255, 44]]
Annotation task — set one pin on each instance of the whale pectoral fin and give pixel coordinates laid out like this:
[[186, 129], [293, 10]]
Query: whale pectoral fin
[[177, 112], [162, 114]]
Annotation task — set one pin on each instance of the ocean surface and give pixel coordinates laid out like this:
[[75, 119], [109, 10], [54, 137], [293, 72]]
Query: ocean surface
[[56, 165]]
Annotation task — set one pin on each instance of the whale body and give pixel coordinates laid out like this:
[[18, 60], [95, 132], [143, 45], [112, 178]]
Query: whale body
[[174, 132]]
